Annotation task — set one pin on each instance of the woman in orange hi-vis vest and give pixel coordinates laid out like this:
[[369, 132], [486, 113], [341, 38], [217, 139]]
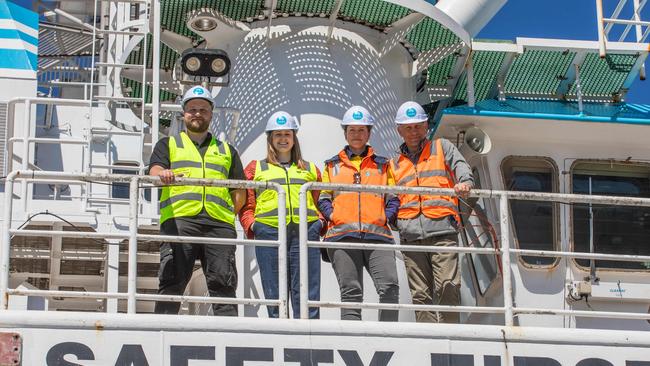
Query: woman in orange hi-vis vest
[[434, 278], [360, 217]]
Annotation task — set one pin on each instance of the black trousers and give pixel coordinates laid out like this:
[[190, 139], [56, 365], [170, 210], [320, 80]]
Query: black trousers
[[177, 263]]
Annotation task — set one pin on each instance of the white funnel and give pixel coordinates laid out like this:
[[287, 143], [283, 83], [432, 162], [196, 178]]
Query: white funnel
[[472, 15]]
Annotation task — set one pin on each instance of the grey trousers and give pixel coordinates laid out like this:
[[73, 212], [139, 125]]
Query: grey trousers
[[434, 278], [348, 265]]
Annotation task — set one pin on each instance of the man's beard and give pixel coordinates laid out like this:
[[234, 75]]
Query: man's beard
[[203, 126]]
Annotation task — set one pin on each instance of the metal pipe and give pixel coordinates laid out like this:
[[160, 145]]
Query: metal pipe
[[5, 245], [206, 299], [504, 224], [627, 22], [133, 244], [27, 116], [155, 99], [639, 31], [393, 247], [283, 294], [386, 306], [471, 99], [601, 28], [616, 13], [584, 313], [303, 252]]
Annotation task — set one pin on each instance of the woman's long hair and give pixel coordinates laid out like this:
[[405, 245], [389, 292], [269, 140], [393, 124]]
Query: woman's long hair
[[296, 156]]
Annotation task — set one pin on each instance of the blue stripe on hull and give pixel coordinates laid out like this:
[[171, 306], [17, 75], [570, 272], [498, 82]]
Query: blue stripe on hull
[[18, 59]]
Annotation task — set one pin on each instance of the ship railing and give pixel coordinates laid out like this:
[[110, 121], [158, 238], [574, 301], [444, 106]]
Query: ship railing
[[505, 251], [24, 106], [135, 184]]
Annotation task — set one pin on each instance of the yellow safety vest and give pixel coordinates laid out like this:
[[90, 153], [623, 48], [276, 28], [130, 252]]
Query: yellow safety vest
[[266, 208], [185, 201]]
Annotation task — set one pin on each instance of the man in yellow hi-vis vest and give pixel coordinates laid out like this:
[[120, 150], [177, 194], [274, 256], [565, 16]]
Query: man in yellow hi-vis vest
[[197, 210]]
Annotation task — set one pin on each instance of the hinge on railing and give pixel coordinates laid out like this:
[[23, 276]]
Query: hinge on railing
[[11, 349]]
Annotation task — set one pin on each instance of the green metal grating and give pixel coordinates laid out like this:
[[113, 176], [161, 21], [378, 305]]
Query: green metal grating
[[538, 72], [486, 69], [174, 12], [439, 74], [305, 6], [429, 34], [375, 12], [603, 77]]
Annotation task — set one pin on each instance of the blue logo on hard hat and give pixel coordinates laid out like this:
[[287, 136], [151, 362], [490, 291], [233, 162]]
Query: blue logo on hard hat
[[198, 91], [281, 120], [357, 115], [411, 112]]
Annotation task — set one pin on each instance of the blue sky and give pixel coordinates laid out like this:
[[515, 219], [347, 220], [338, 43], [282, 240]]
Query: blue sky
[[566, 19]]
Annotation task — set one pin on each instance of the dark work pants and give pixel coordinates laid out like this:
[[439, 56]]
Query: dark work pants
[[177, 263], [348, 266]]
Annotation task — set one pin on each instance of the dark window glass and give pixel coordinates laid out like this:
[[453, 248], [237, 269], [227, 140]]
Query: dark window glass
[[616, 229], [121, 189], [534, 221]]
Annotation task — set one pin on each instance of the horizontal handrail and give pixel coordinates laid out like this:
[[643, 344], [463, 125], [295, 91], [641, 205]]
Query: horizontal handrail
[[133, 237], [509, 310]]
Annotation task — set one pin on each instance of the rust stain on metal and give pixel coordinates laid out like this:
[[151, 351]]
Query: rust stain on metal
[[99, 325], [11, 349]]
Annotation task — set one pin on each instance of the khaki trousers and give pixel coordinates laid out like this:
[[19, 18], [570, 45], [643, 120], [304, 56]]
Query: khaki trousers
[[434, 278]]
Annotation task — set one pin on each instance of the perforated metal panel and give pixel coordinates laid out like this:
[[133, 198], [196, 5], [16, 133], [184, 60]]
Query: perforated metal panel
[[3, 138]]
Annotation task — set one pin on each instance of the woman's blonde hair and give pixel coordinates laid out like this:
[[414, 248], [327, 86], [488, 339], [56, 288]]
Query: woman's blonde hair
[[296, 156]]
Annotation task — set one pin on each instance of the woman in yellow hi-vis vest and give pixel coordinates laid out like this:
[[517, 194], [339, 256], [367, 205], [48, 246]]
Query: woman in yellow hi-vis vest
[[259, 217]]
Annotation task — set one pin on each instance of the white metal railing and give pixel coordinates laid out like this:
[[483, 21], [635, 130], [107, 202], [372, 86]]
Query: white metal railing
[[131, 296], [133, 236], [505, 251], [26, 138]]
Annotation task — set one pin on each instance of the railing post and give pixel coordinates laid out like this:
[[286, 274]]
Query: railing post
[[505, 258], [133, 244], [27, 121], [304, 263], [282, 252], [6, 241]]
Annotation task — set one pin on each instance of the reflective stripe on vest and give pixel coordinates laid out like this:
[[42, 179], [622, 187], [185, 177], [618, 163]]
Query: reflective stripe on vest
[[266, 208], [187, 201], [430, 171], [361, 212]]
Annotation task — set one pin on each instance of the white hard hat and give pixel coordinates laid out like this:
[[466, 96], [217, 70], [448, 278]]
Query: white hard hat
[[410, 112], [281, 120], [357, 115], [197, 92]]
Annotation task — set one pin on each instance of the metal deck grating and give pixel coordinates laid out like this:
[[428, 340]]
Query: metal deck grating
[[538, 72], [174, 12], [374, 12], [305, 6], [439, 74], [486, 69], [603, 77], [430, 34]]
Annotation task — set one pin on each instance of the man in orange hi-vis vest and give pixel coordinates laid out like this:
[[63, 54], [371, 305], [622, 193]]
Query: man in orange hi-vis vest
[[434, 278]]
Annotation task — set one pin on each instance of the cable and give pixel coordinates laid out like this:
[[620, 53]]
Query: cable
[[46, 212]]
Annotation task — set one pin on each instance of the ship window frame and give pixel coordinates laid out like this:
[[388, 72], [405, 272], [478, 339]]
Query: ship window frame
[[532, 164], [630, 166]]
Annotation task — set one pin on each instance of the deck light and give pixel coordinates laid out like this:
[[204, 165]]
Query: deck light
[[212, 63], [204, 21]]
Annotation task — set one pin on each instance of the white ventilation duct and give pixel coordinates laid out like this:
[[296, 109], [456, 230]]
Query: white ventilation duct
[[472, 15]]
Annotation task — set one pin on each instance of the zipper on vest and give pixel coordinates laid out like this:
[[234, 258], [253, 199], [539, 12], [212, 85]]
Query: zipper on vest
[[290, 212], [417, 181]]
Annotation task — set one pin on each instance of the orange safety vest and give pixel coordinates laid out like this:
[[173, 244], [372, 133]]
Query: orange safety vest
[[358, 212], [430, 171]]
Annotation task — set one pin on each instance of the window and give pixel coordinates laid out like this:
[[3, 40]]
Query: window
[[535, 222], [616, 229], [121, 189], [479, 234]]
